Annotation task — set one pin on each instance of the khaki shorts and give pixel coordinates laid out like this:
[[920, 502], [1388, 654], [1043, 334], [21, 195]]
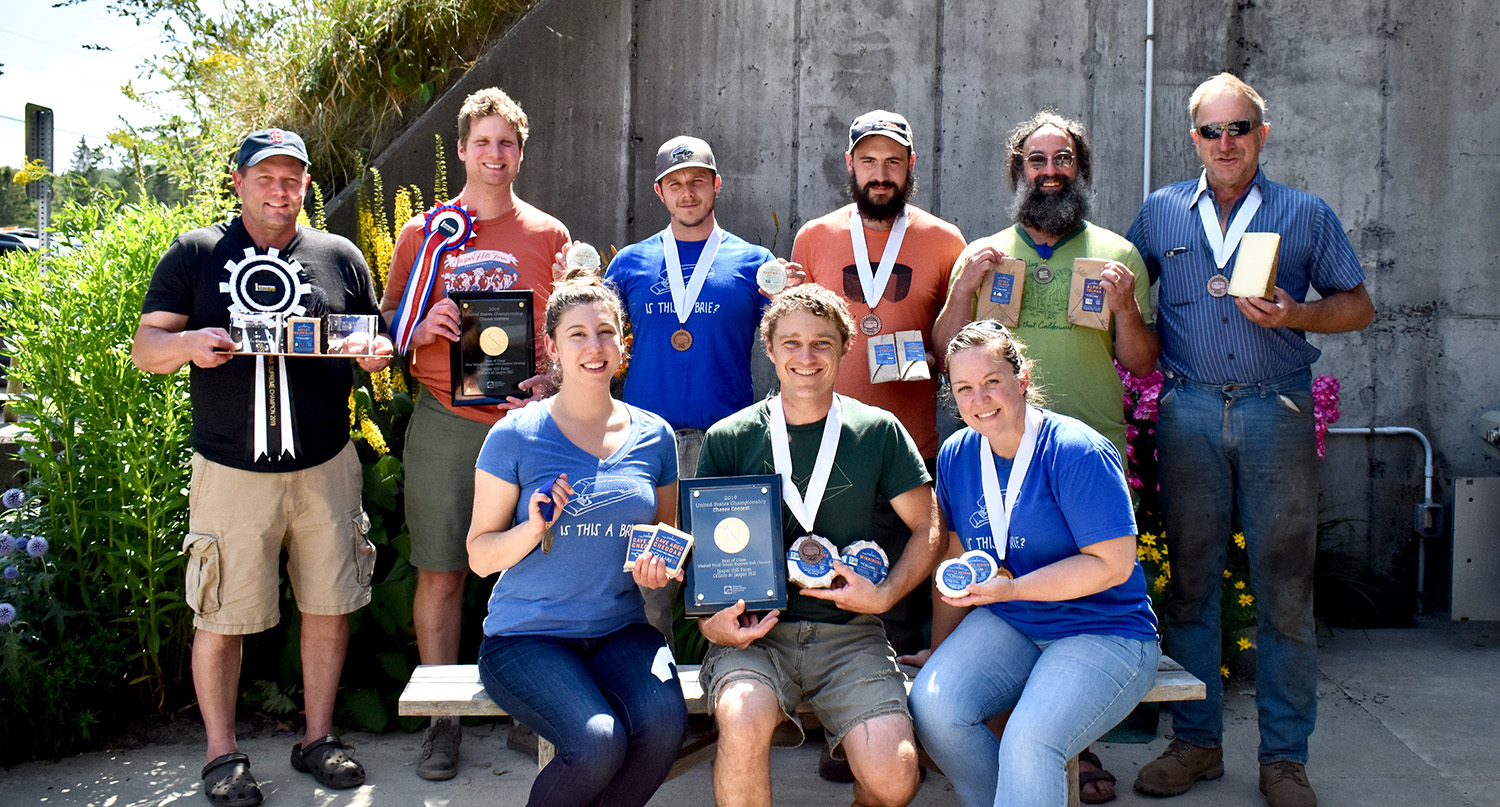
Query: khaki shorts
[[847, 673], [438, 465], [238, 521]]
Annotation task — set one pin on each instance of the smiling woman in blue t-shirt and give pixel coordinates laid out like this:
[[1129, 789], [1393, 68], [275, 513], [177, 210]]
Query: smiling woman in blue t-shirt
[[567, 649], [1069, 612]]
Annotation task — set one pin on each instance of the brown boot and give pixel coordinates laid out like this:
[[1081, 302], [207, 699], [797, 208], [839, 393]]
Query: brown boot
[[1285, 785], [1178, 767]]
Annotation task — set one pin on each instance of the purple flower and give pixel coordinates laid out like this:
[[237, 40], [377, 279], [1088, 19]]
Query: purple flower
[[13, 498], [11, 573], [7, 544], [7, 613], [36, 547]]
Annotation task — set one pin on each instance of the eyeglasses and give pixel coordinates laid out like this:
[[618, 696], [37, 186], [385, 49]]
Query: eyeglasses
[[1213, 131], [1037, 161], [991, 325]]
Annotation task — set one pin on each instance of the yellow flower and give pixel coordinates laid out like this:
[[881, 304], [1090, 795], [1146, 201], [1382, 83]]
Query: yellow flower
[[373, 437], [1243, 643], [1155, 555], [351, 409], [1224, 670], [1239, 540], [1148, 539], [1239, 584], [1227, 574], [1159, 584], [1247, 600]]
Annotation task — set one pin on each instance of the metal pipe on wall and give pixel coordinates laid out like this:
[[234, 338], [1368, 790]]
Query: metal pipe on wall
[[1150, 77]]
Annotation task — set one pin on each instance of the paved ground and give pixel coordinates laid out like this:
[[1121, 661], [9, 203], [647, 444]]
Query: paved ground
[[1407, 719]]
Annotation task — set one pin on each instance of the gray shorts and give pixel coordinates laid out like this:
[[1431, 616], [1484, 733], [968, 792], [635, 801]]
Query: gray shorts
[[847, 673], [441, 449]]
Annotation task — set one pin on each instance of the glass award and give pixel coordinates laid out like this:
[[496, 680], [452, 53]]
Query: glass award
[[738, 552]]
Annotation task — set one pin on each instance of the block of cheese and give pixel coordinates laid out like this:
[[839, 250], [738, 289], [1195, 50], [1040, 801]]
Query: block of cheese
[[885, 360], [1255, 267], [999, 296], [911, 356], [1086, 303]]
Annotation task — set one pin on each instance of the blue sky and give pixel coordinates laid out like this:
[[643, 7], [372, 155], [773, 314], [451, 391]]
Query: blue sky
[[46, 63]]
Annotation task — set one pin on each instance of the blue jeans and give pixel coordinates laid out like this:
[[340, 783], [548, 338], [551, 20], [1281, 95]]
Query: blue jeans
[[1249, 447], [1084, 686], [611, 705]]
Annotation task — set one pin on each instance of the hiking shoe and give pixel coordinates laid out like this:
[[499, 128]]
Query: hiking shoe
[[1179, 767], [439, 757], [1285, 785]]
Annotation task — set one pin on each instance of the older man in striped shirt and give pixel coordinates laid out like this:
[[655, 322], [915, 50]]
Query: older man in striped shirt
[[1236, 430]]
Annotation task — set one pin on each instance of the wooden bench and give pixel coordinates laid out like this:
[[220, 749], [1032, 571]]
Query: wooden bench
[[455, 690]]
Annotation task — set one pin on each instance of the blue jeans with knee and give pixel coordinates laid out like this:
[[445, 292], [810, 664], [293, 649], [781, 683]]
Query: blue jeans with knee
[[611, 705], [1252, 448], [1062, 694]]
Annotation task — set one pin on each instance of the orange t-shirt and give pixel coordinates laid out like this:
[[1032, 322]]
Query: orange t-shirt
[[911, 302], [511, 251]]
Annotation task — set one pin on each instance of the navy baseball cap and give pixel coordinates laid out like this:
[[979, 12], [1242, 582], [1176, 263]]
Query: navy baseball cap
[[880, 122], [269, 143], [683, 152]]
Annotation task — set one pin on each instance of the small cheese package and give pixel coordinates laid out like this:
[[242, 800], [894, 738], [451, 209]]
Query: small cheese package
[[868, 560], [809, 563], [1086, 305], [999, 296], [304, 335], [1254, 272], [671, 545], [885, 361], [954, 576], [911, 355], [640, 538]]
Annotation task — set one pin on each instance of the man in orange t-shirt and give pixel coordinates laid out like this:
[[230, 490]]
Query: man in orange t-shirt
[[908, 295], [514, 247]]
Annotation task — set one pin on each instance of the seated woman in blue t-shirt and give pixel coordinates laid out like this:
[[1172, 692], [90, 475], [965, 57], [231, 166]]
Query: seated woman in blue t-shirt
[[1069, 613], [567, 649]]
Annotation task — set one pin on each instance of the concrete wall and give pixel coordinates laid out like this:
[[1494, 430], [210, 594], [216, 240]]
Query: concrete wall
[[1386, 108]]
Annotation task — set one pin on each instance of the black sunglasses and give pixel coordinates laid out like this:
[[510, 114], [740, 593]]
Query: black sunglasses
[[1213, 131]]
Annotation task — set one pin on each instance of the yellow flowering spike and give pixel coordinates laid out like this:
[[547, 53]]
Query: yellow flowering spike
[[351, 409], [1228, 574], [398, 380], [403, 212], [1224, 670], [440, 174], [1244, 644], [373, 437], [1239, 584], [1148, 539], [1239, 540], [1247, 600]]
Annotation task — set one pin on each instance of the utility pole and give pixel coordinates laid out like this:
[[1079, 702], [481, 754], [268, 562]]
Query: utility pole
[[39, 147]]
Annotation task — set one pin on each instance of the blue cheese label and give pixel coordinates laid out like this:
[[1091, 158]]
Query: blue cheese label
[[954, 577], [809, 563], [1093, 295], [868, 560], [885, 354], [915, 351], [1000, 288], [671, 545], [639, 540], [982, 564]]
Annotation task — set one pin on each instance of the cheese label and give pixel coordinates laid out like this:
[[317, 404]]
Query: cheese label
[[1001, 287]]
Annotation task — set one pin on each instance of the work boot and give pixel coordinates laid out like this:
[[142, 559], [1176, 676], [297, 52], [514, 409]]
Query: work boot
[[1285, 785], [439, 756], [1178, 767]]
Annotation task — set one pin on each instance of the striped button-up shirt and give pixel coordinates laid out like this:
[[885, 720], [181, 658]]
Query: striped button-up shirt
[[1206, 338]]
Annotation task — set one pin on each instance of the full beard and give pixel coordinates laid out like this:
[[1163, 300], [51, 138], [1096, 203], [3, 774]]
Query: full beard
[[881, 211], [1056, 212]]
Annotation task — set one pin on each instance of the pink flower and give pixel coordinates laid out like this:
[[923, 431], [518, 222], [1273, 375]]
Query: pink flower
[[1325, 390]]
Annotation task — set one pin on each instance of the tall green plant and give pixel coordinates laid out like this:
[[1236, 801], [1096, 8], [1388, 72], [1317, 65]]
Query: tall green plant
[[106, 454]]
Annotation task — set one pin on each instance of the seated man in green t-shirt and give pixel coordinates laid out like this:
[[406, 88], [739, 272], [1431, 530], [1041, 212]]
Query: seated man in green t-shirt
[[828, 647]]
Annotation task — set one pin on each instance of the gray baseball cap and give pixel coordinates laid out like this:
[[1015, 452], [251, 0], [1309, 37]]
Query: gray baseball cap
[[683, 152], [880, 122]]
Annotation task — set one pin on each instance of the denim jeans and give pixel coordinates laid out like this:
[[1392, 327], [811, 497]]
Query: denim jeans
[[1084, 685], [611, 705], [1251, 448]]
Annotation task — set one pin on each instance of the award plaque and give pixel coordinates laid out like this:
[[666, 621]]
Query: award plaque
[[494, 352], [738, 553]]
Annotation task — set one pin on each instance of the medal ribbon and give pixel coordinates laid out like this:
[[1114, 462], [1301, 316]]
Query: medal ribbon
[[685, 295], [273, 412], [448, 227], [1225, 243], [805, 509], [997, 504], [873, 283]]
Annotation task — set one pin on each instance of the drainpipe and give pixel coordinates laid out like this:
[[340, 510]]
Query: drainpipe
[[1150, 77], [1427, 518]]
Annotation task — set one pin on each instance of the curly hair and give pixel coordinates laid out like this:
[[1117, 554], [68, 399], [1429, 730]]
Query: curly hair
[[492, 101], [1047, 117], [814, 299]]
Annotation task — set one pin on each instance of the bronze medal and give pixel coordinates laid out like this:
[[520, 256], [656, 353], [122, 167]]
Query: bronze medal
[[869, 324], [811, 552], [681, 339], [1218, 285], [1001, 571], [1043, 274]]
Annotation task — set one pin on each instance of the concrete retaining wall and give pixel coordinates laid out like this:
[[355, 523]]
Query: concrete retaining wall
[[1386, 108]]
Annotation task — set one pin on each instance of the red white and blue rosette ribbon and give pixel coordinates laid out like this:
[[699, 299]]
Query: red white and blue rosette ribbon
[[448, 227]]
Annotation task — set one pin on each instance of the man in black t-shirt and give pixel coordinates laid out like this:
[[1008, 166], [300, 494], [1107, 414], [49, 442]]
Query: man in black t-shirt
[[273, 464]]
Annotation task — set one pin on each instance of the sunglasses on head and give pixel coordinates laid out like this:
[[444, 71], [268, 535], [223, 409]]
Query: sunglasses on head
[[1238, 128]]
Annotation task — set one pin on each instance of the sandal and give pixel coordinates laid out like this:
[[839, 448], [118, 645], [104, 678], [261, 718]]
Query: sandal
[[329, 762], [235, 787], [1099, 774]]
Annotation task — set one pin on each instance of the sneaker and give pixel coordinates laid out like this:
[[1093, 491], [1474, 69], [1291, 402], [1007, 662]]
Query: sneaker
[[439, 757], [1285, 785], [1179, 767]]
